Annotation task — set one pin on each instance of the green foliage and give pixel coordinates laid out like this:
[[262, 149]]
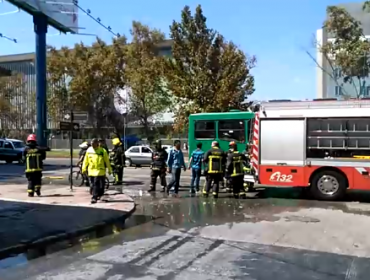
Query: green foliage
[[349, 51], [15, 112], [144, 74], [207, 73], [86, 78]]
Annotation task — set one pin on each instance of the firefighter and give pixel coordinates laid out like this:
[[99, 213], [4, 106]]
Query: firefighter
[[34, 155], [234, 167], [215, 161], [83, 146], [158, 166], [96, 162], [117, 159], [226, 176]]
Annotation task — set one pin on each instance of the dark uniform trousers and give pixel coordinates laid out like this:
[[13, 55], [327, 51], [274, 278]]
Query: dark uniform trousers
[[118, 174], [237, 183], [34, 181], [97, 186], [213, 182], [155, 173]]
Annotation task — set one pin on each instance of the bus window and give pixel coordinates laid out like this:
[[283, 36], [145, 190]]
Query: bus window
[[205, 130], [231, 130]]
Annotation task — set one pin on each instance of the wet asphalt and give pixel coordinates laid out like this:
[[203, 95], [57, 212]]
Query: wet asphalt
[[274, 234]]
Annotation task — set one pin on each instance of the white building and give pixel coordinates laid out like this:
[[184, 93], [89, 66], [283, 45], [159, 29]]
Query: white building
[[327, 87]]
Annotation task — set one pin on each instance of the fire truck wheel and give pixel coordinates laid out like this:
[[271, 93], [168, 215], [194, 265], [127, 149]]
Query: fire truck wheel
[[328, 185]]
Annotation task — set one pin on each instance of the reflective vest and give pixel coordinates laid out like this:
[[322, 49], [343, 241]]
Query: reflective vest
[[117, 156], [34, 159], [215, 161], [159, 158], [237, 164], [96, 162]]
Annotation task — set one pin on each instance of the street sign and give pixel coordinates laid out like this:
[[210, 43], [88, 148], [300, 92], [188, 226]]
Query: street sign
[[67, 126]]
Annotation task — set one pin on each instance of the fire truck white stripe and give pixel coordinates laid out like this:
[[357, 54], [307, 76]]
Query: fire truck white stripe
[[255, 142], [361, 169]]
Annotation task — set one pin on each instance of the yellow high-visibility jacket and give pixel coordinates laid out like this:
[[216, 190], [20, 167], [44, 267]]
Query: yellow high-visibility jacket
[[96, 161]]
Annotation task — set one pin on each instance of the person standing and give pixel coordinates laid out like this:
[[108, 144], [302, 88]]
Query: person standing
[[96, 162], [158, 166], [117, 159], [103, 144], [83, 146], [34, 156], [215, 160], [234, 166], [195, 165], [175, 163]]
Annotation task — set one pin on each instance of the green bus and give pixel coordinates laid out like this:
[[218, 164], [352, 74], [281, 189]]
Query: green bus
[[222, 127]]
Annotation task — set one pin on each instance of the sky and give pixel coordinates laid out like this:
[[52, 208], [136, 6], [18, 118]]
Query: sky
[[278, 32]]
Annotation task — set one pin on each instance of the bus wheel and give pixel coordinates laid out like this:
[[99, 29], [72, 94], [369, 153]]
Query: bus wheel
[[328, 185]]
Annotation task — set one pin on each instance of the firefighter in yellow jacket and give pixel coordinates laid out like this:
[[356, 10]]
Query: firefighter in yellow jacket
[[234, 168], [215, 162], [96, 162]]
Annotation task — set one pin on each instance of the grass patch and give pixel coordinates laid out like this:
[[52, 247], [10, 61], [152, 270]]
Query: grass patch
[[61, 154]]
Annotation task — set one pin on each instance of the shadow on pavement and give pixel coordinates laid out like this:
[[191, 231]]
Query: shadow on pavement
[[303, 193], [26, 226]]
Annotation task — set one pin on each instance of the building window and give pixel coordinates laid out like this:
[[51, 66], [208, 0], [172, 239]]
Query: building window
[[366, 92], [337, 73], [338, 91]]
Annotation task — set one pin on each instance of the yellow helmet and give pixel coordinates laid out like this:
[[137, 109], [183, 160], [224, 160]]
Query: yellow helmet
[[116, 141]]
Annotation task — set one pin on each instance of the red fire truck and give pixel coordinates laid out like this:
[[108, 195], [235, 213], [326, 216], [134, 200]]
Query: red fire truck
[[321, 144]]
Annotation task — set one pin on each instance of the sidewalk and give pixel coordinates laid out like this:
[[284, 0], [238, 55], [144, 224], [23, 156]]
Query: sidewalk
[[59, 214]]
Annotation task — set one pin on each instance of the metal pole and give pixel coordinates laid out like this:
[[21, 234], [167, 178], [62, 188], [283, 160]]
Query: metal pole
[[71, 149], [124, 133], [41, 28]]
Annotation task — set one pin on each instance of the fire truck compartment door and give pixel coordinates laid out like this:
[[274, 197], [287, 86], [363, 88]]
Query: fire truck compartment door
[[282, 142]]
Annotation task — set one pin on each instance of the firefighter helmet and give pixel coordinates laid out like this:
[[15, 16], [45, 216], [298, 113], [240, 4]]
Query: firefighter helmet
[[116, 141], [232, 144], [31, 138], [84, 145]]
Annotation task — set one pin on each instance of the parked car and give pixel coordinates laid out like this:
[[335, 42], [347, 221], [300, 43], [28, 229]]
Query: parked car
[[138, 155], [11, 150]]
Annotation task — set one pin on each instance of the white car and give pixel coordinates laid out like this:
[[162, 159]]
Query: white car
[[138, 155]]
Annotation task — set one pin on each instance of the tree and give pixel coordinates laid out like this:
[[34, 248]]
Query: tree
[[348, 52], [86, 79], [17, 106], [207, 73], [148, 94]]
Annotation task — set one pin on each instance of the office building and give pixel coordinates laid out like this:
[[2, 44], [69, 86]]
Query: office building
[[327, 87]]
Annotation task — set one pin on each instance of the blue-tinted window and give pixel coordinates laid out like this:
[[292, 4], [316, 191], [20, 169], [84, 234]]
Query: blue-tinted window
[[367, 92], [338, 91]]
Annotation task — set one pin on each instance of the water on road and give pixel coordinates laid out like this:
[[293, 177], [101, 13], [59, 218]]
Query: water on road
[[276, 234]]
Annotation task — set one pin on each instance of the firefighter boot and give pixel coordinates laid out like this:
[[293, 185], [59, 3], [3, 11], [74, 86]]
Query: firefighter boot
[[151, 188], [38, 190], [215, 195], [242, 195], [205, 193]]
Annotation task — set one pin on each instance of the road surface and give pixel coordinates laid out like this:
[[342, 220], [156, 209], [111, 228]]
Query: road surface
[[277, 234]]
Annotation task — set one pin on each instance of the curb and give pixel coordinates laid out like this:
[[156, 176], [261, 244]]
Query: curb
[[24, 246]]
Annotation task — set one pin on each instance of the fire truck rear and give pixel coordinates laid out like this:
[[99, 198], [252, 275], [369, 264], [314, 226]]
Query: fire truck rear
[[322, 144]]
